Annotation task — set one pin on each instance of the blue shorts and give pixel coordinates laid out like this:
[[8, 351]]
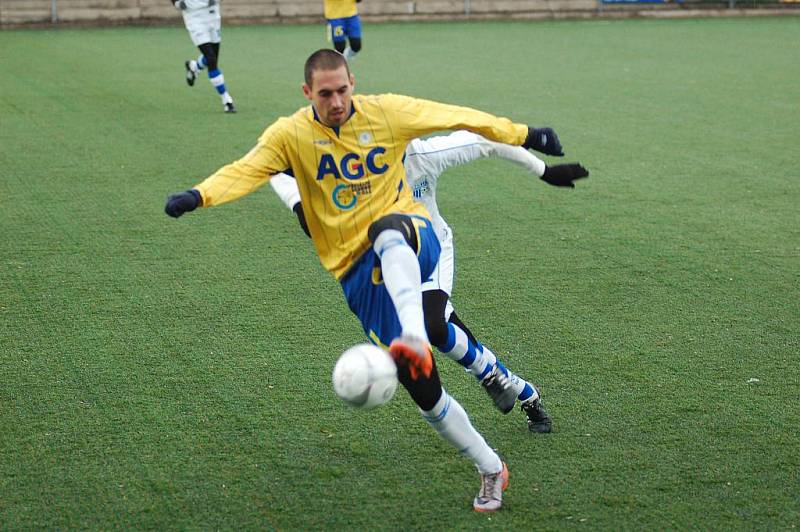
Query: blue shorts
[[342, 28], [367, 296]]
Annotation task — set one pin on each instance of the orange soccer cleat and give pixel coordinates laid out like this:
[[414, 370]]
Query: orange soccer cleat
[[414, 353]]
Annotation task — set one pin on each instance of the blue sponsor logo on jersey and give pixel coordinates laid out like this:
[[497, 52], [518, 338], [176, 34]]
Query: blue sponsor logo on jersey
[[351, 166]]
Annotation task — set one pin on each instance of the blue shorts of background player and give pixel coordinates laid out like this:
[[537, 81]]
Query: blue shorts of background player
[[344, 30], [367, 295]]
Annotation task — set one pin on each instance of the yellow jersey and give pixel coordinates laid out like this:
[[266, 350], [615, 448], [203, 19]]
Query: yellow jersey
[[340, 8], [350, 176]]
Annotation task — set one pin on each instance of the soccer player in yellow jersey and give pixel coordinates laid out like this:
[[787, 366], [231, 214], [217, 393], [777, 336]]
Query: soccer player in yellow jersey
[[346, 153], [344, 25]]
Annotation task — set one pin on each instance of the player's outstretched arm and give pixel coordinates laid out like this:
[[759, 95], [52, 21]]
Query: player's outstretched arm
[[183, 202], [560, 175], [564, 175]]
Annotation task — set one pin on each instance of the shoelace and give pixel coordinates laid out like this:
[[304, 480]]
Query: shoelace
[[488, 485], [498, 377]]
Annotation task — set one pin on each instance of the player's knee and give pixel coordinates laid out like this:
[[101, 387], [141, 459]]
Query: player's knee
[[340, 45], [398, 222], [210, 53], [436, 328], [355, 44], [425, 392]]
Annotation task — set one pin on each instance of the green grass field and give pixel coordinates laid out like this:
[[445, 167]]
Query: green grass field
[[175, 374]]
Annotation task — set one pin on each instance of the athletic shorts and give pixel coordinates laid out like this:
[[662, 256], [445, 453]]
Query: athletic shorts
[[342, 28], [444, 273], [204, 25], [367, 296]]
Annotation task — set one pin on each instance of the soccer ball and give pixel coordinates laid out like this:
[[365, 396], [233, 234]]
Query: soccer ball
[[365, 376]]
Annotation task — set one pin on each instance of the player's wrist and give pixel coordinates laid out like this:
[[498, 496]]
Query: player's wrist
[[197, 195]]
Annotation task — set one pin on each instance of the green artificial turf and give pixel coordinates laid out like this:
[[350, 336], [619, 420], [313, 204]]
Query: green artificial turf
[[175, 374]]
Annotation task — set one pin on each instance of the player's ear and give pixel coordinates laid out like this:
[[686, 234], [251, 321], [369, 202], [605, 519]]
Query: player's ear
[[307, 90], [352, 80]]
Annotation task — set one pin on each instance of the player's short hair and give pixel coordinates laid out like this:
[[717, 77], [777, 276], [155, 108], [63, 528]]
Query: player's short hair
[[324, 59]]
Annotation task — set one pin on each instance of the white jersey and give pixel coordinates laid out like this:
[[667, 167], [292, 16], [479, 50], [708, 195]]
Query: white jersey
[[427, 159], [198, 4]]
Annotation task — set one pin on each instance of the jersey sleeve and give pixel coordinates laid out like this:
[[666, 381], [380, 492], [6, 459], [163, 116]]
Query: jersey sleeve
[[515, 154], [285, 187], [246, 175], [434, 155], [415, 117]]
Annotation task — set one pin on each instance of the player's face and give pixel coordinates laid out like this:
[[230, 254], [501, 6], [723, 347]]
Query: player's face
[[331, 93]]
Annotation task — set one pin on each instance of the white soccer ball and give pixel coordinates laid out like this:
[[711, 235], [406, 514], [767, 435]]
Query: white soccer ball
[[365, 376]]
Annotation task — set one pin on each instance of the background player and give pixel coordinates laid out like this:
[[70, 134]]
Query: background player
[[425, 161], [344, 25], [368, 230], [203, 21]]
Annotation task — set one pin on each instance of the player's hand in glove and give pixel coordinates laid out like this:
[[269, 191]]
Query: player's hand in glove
[[563, 175], [301, 217], [182, 202], [543, 139]]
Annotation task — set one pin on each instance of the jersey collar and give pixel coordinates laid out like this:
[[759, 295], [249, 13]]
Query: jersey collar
[[335, 129]]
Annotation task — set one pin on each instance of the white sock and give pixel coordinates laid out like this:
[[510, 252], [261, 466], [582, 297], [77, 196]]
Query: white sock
[[401, 276], [349, 54], [450, 420]]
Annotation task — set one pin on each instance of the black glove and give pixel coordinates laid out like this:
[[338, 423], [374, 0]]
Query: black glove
[[301, 217], [182, 202], [563, 175], [543, 139]]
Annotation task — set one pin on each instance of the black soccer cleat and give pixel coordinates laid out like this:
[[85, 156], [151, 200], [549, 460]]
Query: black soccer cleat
[[229, 108], [499, 388], [538, 418], [191, 75]]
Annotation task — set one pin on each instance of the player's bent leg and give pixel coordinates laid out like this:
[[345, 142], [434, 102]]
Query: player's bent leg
[[394, 242], [355, 44], [210, 54], [340, 45], [392, 239], [461, 347]]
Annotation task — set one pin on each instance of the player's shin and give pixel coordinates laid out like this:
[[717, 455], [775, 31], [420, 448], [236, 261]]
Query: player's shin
[[450, 420], [460, 348]]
